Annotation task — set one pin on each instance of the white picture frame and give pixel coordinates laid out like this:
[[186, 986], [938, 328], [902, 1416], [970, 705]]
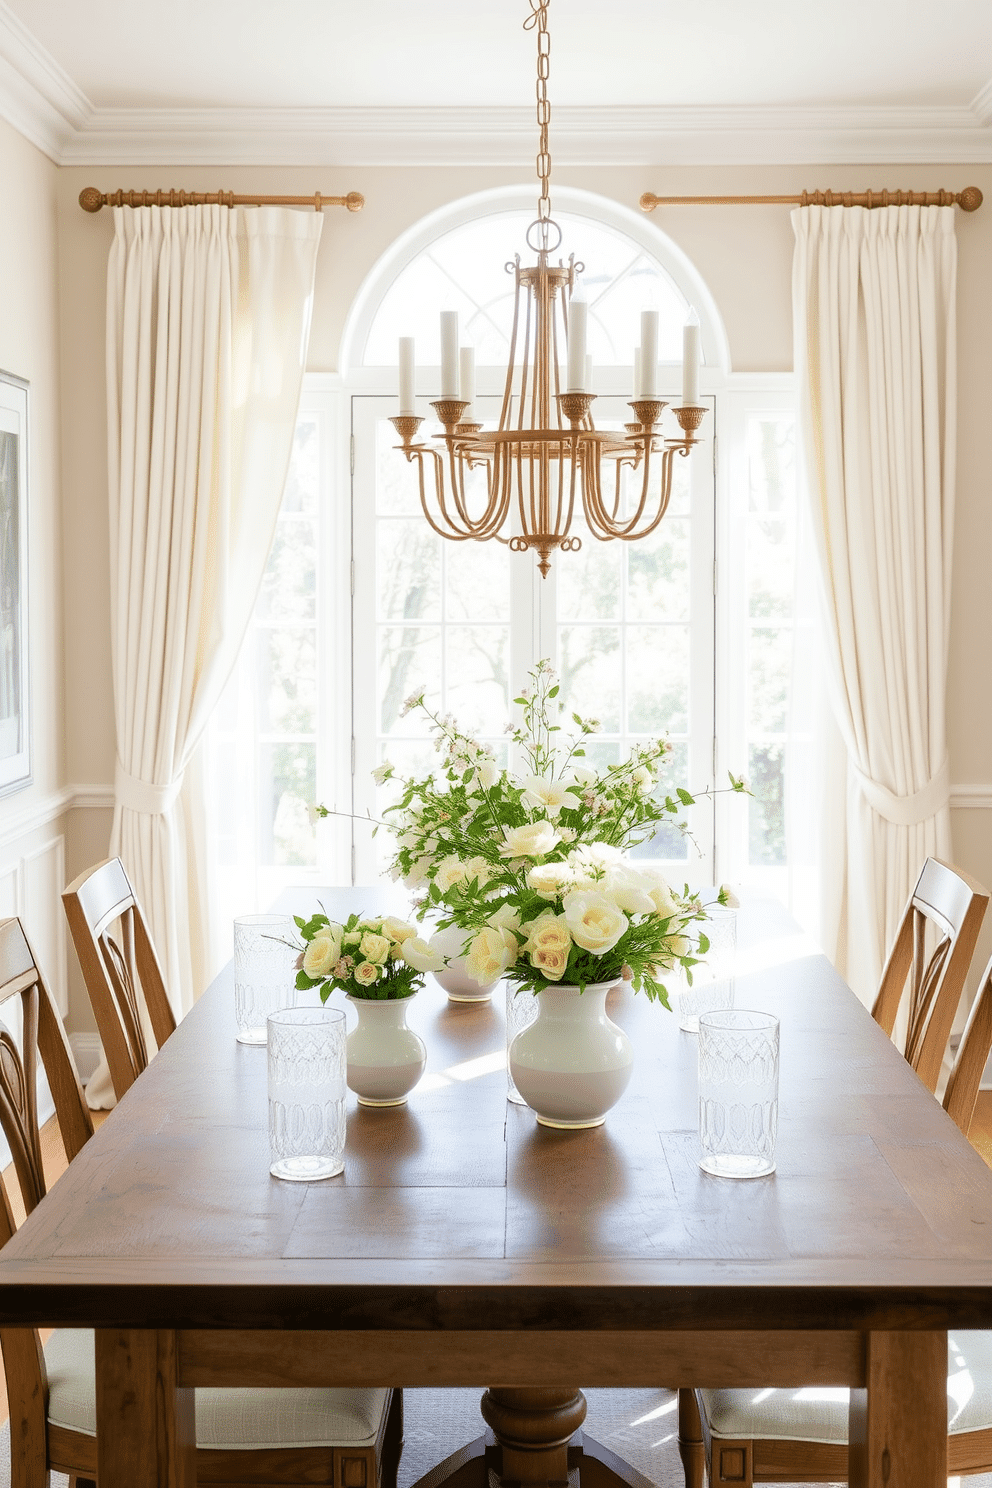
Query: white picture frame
[[15, 690]]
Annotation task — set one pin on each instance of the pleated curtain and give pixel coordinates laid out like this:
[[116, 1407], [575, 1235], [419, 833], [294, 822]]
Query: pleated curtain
[[874, 319], [208, 318]]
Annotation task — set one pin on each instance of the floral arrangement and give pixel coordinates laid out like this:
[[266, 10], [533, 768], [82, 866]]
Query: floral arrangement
[[376, 958], [531, 866]]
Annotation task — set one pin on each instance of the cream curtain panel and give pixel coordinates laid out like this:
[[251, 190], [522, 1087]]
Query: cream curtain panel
[[874, 324], [208, 318]]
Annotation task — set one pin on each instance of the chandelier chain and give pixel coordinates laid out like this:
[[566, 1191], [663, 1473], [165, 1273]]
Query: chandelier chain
[[538, 20]]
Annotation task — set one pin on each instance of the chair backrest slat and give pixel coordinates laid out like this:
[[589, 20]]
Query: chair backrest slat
[[949, 905], [120, 968], [963, 1083]]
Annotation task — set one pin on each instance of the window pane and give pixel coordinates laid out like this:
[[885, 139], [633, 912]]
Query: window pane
[[409, 661], [770, 567], [408, 570], [302, 493], [589, 581], [478, 581], [287, 681], [657, 679], [589, 667], [770, 665], [289, 584], [658, 573], [766, 808], [478, 679], [288, 783]]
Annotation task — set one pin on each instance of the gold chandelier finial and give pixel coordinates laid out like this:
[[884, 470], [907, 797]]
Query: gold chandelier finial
[[528, 473]]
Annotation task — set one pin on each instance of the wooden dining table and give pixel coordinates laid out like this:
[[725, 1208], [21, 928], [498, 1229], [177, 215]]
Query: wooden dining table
[[464, 1245]]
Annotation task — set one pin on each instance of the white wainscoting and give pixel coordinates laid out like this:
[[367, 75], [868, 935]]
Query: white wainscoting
[[32, 878]]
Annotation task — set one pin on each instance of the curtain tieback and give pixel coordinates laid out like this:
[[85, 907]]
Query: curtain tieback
[[908, 811], [141, 795]]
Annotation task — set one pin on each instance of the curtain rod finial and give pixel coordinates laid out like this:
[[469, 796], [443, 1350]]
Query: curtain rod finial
[[970, 199], [91, 200], [354, 201]]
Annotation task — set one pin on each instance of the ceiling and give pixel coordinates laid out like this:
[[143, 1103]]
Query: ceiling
[[293, 81]]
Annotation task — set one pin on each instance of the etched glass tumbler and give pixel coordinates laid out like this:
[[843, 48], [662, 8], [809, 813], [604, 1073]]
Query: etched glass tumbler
[[264, 971], [712, 987], [521, 1010], [307, 1067], [738, 1093]]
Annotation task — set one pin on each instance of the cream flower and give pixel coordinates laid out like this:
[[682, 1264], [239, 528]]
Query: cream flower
[[449, 872], [548, 795], [505, 918], [680, 945], [320, 956], [486, 774], [549, 879], [550, 961], [629, 890], [533, 840], [728, 898], [582, 775], [548, 944], [397, 930], [479, 869], [490, 953], [665, 903], [417, 953], [417, 873], [366, 972], [595, 923], [643, 779], [374, 947]]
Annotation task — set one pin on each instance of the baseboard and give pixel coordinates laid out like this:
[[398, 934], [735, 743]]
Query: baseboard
[[86, 1050]]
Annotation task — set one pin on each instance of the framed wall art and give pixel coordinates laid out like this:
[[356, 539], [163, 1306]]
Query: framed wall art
[[15, 734]]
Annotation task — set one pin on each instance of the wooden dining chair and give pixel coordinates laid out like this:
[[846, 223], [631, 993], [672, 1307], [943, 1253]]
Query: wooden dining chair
[[743, 1437], [929, 958], [120, 968], [340, 1437]]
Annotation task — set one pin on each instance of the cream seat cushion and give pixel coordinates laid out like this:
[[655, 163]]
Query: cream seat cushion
[[225, 1419], [816, 1414]]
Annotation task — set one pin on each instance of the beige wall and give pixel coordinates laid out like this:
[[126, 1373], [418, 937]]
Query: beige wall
[[743, 253], [33, 820]]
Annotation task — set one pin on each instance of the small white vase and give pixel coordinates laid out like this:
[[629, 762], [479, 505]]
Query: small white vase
[[573, 1063], [385, 1057], [455, 979]]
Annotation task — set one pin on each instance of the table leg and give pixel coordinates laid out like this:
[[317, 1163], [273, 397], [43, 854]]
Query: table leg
[[533, 1428], [146, 1429], [898, 1423]]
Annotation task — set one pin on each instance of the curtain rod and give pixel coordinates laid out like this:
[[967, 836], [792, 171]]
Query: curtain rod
[[969, 200], [91, 200]]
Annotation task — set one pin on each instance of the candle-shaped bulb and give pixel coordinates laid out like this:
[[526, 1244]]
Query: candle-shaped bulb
[[637, 373], [588, 386], [578, 313], [690, 361], [649, 353], [467, 369], [408, 379], [449, 354]]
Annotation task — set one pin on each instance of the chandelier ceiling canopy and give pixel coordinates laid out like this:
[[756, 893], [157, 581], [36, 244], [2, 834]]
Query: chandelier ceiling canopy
[[524, 481]]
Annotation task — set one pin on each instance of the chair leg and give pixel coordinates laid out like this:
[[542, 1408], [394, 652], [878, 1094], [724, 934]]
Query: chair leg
[[392, 1446], [691, 1447]]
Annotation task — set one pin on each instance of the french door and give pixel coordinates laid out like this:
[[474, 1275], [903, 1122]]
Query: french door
[[628, 626]]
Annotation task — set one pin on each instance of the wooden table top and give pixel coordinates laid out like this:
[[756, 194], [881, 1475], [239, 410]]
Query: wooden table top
[[460, 1212]]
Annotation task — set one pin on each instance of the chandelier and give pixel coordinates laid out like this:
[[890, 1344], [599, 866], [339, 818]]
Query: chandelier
[[546, 454]]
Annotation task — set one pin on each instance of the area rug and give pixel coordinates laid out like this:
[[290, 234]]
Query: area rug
[[639, 1425]]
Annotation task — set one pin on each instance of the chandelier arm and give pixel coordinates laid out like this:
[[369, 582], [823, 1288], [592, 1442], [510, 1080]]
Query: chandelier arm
[[629, 532], [479, 529], [504, 413]]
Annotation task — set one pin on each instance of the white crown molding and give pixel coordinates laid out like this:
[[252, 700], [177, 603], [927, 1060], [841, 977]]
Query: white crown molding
[[37, 97], [91, 797], [652, 136], [43, 103], [981, 104]]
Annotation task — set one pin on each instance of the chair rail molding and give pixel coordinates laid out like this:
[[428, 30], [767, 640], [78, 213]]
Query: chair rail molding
[[971, 797]]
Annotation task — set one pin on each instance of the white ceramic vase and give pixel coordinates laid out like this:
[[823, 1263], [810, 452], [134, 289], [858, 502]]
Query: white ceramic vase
[[385, 1057], [573, 1063], [455, 979]]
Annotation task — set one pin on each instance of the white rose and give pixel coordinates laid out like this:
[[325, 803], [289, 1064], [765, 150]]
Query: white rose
[[643, 779], [665, 903], [532, 840], [321, 955], [486, 774], [547, 795], [374, 947], [629, 890], [479, 869], [366, 972], [397, 930], [489, 955], [417, 873], [546, 932], [449, 872], [548, 879], [417, 953], [595, 923], [505, 918]]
